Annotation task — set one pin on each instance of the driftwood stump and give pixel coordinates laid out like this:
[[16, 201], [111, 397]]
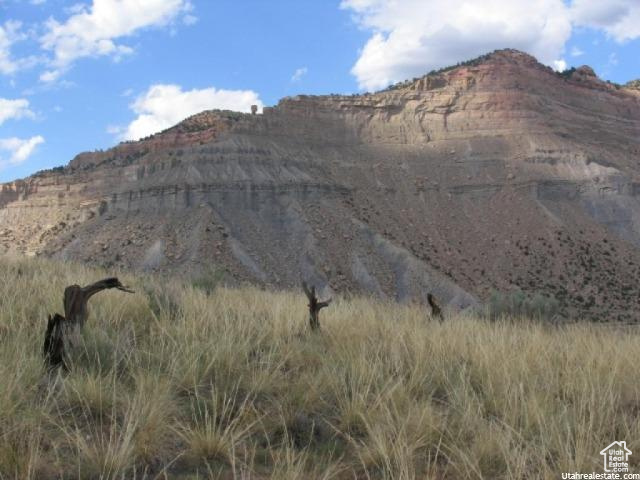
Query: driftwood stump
[[436, 311], [77, 297], [314, 306], [63, 333], [54, 355]]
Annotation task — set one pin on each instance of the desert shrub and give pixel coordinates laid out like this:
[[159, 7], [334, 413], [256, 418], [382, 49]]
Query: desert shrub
[[163, 298], [208, 280], [567, 72], [520, 304]]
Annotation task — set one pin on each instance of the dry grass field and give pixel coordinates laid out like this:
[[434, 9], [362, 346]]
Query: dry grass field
[[177, 383]]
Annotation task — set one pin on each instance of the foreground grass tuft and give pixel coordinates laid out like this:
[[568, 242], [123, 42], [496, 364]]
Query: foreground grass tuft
[[181, 382]]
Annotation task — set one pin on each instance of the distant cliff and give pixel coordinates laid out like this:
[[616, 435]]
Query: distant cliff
[[497, 174]]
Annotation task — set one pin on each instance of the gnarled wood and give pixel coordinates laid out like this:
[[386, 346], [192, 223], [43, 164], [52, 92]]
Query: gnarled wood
[[436, 311], [77, 297], [63, 333], [314, 306], [54, 353]]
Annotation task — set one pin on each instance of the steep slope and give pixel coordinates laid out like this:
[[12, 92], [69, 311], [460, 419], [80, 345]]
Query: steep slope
[[498, 174]]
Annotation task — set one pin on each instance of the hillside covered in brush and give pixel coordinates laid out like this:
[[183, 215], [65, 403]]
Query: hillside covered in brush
[[497, 174]]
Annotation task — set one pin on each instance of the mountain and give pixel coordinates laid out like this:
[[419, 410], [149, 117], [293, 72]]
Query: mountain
[[497, 174]]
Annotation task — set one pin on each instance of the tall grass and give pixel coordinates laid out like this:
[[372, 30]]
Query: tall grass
[[177, 382]]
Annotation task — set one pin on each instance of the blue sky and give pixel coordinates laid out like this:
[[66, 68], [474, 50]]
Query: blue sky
[[83, 75]]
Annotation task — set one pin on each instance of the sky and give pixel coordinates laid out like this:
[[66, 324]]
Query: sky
[[84, 75]]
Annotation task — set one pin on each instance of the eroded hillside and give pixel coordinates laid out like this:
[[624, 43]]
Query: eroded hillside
[[499, 174]]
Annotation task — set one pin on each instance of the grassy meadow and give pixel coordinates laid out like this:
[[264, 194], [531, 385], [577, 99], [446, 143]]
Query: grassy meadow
[[178, 382]]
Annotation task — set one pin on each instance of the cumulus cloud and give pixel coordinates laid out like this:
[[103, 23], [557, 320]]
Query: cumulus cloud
[[10, 33], [560, 65], [17, 108], [411, 37], [620, 19], [189, 19], [50, 76], [95, 30], [19, 149], [162, 106], [298, 74], [576, 52]]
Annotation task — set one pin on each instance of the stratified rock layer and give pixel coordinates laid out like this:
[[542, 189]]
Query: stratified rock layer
[[499, 174]]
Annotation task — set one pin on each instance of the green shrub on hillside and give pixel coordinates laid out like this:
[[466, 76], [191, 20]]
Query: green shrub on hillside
[[208, 280], [519, 304]]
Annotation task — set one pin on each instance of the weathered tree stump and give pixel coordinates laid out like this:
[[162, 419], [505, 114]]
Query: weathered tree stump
[[63, 333], [436, 311], [54, 355], [77, 297], [314, 306]]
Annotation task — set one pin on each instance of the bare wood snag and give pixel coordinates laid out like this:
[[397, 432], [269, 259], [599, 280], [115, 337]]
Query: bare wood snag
[[436, 311], [63, 333], [77, 297], [314, 306], [54, 342]]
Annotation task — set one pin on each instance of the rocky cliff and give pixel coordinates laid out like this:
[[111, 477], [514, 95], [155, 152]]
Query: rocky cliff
[[497, 174]]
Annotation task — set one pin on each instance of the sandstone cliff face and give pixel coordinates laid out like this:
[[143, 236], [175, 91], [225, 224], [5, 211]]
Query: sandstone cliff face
[[500, 174]]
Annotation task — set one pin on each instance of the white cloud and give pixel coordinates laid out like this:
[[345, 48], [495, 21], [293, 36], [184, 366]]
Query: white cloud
[[298, 74], [9, 34], [576, 52], [411, 37], [94, 31], [48, 87], [18, 108], [559, 65], [619, 19], [49, 76], [116, 130], [19, 149], [189, 19], [7, 38], [162, 106]]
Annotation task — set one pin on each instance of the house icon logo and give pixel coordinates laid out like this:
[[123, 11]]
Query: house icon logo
[[616, 457]]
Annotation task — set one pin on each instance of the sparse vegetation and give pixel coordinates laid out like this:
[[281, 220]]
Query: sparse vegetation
[[467, 63], [234, 385], [567, 72], [633, 84], [208, 280], [518, 304], [49, 171]]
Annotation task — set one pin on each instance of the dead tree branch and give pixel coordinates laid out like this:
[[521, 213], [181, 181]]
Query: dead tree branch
[[77, 297], [314, 306], [436, 311], [63, 332]]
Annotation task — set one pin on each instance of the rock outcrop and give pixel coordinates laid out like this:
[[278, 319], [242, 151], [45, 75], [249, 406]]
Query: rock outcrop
[[497, 174]]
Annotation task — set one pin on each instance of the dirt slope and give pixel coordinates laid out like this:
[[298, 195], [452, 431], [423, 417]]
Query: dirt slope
[[498, 174]]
